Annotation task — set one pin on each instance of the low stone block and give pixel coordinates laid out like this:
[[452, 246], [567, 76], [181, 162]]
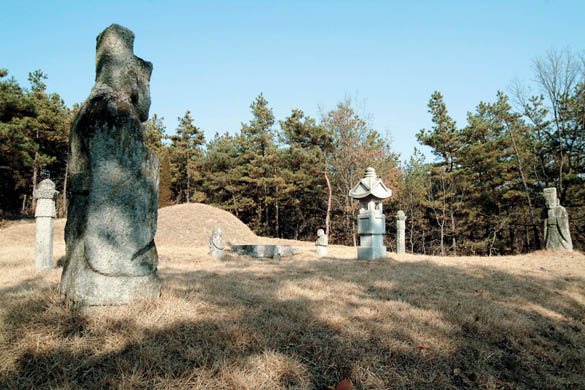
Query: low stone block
[[265, 251], [371, 253]]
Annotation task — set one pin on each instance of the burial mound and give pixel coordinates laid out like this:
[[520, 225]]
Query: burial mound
[[191, 224], [182, 225]]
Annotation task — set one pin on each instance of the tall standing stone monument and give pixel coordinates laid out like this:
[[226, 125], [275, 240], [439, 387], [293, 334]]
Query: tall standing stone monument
[[45, 214], [370, 192], [111, 256], [400, 229], [556, 223]]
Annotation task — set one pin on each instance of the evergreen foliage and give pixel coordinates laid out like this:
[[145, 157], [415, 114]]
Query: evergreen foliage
[[186, 158], [482, 193], [34, 128]]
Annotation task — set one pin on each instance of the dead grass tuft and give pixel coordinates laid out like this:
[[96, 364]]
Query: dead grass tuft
[[416, 322]]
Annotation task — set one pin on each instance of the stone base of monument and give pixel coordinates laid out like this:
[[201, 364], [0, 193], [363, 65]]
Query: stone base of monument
[[216, 252], [371, 247], [265, 251], [371, 253], [321, 250], [86, 288]]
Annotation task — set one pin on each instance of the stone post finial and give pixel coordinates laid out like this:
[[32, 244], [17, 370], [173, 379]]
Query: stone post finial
[[370, 172]]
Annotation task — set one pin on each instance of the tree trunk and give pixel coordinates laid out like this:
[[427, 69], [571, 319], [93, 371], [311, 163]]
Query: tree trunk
[[24, 196], [329, 198], [34, 181], [276, 218], [526, 191], [411, 235], [267, 229], [442, 239], [453, 232]]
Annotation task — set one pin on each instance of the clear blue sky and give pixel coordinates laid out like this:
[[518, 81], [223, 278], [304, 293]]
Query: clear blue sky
[[215, 57]]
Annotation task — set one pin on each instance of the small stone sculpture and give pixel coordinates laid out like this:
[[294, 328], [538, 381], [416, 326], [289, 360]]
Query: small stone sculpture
[[111, 257], [556, 223], [216, 246], [321, 243], [400, 228], [45, 215], [370, 191]]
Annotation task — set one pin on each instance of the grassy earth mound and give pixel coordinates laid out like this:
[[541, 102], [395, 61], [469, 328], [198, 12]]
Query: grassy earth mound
[[190, 224], [178, 226]]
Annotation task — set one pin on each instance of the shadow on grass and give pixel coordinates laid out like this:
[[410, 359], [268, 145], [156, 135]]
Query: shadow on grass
[[414, 325]]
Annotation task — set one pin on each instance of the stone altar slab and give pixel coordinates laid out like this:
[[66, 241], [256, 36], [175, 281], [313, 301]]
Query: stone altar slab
[[265, 251]]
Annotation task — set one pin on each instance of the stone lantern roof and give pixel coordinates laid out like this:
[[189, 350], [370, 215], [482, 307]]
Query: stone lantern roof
[[371, 185]]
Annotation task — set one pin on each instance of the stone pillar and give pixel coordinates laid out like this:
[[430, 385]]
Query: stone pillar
[[400, 228], [45, 214]]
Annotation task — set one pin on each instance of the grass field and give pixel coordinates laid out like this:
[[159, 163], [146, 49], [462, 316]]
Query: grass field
[[407, 322]]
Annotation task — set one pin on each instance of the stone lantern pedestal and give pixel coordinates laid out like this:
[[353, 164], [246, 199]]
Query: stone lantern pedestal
[[370, 192]]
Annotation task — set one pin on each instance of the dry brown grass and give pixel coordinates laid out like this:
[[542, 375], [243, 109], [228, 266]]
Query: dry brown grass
[[408, 322]]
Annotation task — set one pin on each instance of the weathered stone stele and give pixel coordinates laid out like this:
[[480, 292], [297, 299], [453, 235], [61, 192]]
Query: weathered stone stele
[[111, 256], [556, 223], [400, 228], [321, 243], [216, 245], [370, 191], [45, 214]]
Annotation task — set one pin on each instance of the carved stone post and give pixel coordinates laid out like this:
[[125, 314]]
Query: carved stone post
[[400, 228], [45, 215]]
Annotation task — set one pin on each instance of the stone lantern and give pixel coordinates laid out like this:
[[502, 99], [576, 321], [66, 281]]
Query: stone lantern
[[370, 192]]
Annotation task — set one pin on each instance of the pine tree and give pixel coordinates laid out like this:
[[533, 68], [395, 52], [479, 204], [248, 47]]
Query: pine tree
[[34, 129], [303, 193], [222, 182], [257, 166], [186, 157], [154, 135], [411, 192], [444, 193]]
